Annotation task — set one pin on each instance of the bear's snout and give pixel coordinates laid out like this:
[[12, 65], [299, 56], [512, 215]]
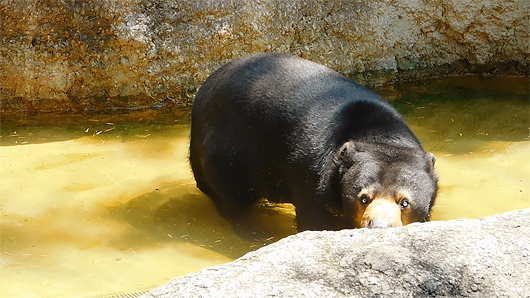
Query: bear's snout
[[382, 213]]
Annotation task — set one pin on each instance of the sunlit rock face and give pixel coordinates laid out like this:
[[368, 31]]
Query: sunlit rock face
[[78, 55], [466, 258]]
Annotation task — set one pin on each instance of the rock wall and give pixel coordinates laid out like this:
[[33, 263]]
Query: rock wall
[[466, 258], [101, 54]]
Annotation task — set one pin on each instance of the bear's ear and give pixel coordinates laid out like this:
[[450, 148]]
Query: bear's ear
[[345, 153], [431, 160]]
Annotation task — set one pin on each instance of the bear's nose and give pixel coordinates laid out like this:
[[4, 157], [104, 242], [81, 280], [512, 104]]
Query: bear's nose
[[379, 223]]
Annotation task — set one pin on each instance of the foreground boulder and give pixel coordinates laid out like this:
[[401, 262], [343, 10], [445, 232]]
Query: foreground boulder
[[487, 257]]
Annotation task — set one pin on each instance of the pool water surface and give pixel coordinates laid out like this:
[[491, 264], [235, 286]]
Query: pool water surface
[[94, 204]]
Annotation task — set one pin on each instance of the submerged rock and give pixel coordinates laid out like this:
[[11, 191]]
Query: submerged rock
[[487, 257]]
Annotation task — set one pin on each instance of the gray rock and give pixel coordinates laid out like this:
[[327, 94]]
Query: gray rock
[[487, 257]]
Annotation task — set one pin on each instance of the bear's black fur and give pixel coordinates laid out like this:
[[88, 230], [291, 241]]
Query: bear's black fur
[[283, 128]]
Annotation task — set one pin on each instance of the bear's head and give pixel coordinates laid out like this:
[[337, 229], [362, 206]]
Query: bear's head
[[385, 185]]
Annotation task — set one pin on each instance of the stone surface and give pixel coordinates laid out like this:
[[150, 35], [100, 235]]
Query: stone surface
[[487, 257], [101, 54]]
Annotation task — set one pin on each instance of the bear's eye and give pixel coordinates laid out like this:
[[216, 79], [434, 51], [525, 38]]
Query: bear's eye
[[364, 199], [404, 204]]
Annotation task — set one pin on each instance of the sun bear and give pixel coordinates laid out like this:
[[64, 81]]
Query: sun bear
[[283, 128]]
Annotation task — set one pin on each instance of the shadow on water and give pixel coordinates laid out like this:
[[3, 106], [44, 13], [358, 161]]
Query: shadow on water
[[458, 115], [180, 213], [25, 128], [455, 115]]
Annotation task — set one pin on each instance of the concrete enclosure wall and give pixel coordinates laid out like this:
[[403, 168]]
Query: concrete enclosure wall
[[100, 54]]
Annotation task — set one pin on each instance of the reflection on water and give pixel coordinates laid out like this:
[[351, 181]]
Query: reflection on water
[[101, 204]]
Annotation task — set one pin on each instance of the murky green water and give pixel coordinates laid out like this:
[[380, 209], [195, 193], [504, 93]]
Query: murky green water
[[99, 204]]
